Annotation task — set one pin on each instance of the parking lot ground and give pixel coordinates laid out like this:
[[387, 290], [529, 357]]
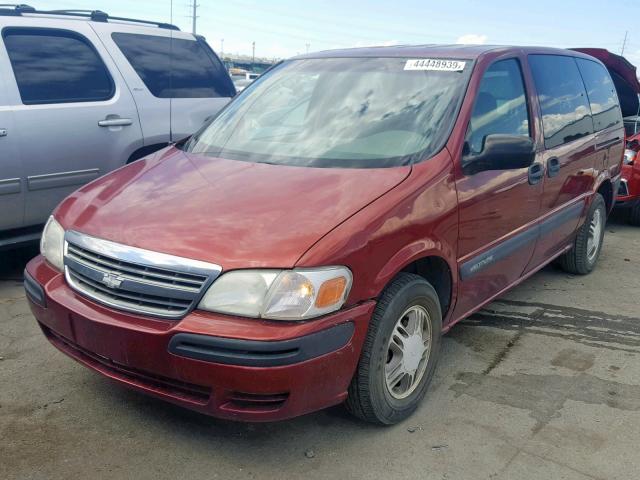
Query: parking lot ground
[[544, 383]]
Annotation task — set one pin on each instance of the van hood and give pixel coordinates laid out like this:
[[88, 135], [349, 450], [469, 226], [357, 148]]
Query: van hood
[[233, 213], [624, 77]]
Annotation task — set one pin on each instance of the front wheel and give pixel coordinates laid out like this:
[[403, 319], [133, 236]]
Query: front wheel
[[400, 352], [634, 214], [582, 258]]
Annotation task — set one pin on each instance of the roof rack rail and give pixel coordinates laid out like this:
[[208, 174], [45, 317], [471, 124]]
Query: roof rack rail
[[15, 9]]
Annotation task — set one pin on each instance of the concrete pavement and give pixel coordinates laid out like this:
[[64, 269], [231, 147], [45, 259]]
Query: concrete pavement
[[544, 383]]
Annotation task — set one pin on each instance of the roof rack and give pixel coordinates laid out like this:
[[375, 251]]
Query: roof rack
[[15, 9]]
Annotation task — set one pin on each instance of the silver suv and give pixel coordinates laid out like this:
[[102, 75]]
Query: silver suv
[[83, 93]]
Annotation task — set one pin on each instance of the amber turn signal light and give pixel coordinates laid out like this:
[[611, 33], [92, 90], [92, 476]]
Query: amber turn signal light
[[331, 292]]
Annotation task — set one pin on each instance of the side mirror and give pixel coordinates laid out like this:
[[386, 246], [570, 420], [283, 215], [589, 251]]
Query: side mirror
[[500, 152]]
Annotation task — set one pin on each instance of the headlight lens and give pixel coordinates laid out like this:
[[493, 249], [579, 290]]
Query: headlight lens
[[279, 294], [629, 156], [52, 243]]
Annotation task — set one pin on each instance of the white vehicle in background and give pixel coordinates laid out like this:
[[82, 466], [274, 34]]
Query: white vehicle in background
[[83, 93], [243, 81]]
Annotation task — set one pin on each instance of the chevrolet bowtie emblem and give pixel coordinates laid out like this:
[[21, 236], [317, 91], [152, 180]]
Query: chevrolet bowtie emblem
[[111, 280]]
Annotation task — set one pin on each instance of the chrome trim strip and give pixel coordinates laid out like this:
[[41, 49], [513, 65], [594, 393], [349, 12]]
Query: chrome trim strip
[[10, 185], [141, 256], [62, 179]]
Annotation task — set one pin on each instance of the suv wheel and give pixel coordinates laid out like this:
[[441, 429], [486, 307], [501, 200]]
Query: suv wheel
[[634, 214], [399, 354], [582, 258]]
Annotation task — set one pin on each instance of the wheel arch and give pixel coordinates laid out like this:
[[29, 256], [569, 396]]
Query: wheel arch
[[145, 150], [431, 264], [605, 188]]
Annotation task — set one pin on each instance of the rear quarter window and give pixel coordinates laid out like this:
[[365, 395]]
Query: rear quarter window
[[174, 68], [566, 113], [56, 66], [602, 94]]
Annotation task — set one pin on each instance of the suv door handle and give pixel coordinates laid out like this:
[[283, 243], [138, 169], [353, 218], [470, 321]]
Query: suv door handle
[[553, 167], [3, 132], [536, 172], [115, 122]]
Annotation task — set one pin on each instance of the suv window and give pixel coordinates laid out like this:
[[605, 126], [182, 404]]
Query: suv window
[[566, 114], [174, 68], [501, 105], [56, 66], [602, 94]]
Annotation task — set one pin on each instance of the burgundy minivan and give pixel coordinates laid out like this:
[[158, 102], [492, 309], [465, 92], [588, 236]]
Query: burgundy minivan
[[312, 243]]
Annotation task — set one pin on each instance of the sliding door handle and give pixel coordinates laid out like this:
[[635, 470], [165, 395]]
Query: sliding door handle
[[553, 167], [3, 132]]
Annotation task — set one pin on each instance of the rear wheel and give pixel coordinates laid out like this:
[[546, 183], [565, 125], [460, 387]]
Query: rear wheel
[[582, 258], [634, 214], [400, 352]]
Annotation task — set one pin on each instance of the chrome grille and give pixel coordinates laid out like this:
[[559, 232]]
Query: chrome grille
[[133, 279]]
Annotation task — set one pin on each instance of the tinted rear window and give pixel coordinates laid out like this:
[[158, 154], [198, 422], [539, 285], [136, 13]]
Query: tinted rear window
[[602, 94], [175, 68], [566, 114], [56, 66]]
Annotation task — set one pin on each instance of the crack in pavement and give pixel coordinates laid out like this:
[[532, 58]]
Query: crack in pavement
[[592, 328]]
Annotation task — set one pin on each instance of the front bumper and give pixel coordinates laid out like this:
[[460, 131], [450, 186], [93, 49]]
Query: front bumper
[[228, 367]]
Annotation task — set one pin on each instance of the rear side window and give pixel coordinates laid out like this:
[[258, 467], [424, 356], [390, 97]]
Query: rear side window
[[174, 68], [501, 105], [602, 94], [56, 66], [566, 114]]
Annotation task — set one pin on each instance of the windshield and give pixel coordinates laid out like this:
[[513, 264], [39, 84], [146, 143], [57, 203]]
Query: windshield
[[339, 112]]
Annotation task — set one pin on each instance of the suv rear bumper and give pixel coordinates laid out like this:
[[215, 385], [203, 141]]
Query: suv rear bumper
[[234, 368], [628, 191]]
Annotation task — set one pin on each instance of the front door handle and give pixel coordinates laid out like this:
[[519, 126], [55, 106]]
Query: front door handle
[[110, 121], [3, 132], [553, 167], [536, 173]]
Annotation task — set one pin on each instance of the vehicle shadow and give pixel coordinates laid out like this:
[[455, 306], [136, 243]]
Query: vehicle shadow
[[12, 262]]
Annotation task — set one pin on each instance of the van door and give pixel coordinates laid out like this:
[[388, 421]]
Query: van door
[[497, 208], [607, 116], [177, 80], [73, 120], [569, 155], [11, 188]]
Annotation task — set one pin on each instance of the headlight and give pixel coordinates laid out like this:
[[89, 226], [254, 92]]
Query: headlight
[[279, 294], [52, 243], [629, 156]]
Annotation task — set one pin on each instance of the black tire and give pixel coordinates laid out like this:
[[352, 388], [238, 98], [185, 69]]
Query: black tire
[[369, 397], [577, 260], [634, 214]]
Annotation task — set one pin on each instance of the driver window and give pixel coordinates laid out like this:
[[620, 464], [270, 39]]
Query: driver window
[[501, 106]]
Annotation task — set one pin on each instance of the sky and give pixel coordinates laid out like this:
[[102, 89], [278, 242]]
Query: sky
[[283, 28]]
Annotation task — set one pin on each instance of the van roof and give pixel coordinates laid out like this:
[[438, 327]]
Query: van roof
[[467, 52]]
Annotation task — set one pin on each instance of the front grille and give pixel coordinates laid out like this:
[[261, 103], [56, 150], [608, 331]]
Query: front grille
[[133, 279], [623, 190]]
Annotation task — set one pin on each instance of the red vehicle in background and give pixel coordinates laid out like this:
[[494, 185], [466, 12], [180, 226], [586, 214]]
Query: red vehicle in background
[[628, 88]]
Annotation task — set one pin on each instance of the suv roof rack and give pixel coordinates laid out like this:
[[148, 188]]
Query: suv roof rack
[[17, 9]]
